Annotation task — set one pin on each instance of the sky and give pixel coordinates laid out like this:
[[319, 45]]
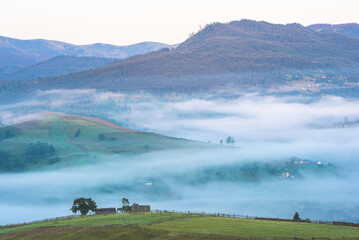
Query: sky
[[124, 22]]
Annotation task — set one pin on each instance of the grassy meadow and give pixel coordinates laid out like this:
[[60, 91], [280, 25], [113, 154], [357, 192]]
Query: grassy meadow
[[81, 138], [170, 226]]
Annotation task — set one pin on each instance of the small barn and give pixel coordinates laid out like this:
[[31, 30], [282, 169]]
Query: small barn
[[105, 211], [140, 208]]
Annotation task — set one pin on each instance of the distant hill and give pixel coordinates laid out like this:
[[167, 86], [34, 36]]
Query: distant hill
[[349, 29], [237, 54], [57, 66], [21, 53], [50, 139]]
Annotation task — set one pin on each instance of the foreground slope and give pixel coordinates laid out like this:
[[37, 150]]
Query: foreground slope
[[171, 226], [59, 139]]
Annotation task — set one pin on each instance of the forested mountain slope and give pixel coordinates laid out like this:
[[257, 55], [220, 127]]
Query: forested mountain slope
[[349, 29], [237, 54]]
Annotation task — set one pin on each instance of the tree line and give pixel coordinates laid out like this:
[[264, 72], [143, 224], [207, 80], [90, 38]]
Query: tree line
[[85, 205]]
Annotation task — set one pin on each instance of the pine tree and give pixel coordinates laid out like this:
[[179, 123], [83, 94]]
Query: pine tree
[[296, 216]]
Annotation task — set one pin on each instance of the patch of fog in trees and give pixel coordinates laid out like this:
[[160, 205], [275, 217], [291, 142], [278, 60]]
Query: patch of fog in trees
[[265, 129]]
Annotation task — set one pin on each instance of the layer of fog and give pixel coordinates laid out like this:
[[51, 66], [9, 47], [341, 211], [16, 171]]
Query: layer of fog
[[50, 194], [265, 129], [301, 126]]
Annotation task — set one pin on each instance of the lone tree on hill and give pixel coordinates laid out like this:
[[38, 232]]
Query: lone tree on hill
[[125, 206], [77, 133], [101, 136], [296, 216], [83, 205]]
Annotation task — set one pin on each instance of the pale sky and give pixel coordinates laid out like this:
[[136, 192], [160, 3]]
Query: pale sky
[[123, 22]]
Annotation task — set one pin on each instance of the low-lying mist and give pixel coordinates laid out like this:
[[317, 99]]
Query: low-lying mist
[[266, 130]]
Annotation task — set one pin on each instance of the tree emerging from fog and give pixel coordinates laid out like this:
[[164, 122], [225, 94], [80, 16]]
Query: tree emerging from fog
[[230, 140]]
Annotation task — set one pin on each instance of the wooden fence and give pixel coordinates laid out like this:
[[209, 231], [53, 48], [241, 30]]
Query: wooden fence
[[350, 224], [189, 214]]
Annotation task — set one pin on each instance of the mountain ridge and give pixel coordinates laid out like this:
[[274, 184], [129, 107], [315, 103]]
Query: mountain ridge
[[220, 46], [16, 52], [58, 65], [347, 29], [237, 54]]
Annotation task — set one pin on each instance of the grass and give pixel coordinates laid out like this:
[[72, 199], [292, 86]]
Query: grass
[[86, 233], [170, 226], [60, 132], [108, 232], [256, 228], [111, 219]]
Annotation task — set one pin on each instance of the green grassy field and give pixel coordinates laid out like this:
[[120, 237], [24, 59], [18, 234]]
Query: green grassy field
[[113, 219], [78, 137], [171, 226], [254, 228]]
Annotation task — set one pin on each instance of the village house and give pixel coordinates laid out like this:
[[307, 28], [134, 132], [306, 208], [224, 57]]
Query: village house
[[140, 208], [285, 175], [105, 211]]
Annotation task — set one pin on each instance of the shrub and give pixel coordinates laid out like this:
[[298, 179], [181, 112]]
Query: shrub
[[101, 137], [39, 150], [53, 161]]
